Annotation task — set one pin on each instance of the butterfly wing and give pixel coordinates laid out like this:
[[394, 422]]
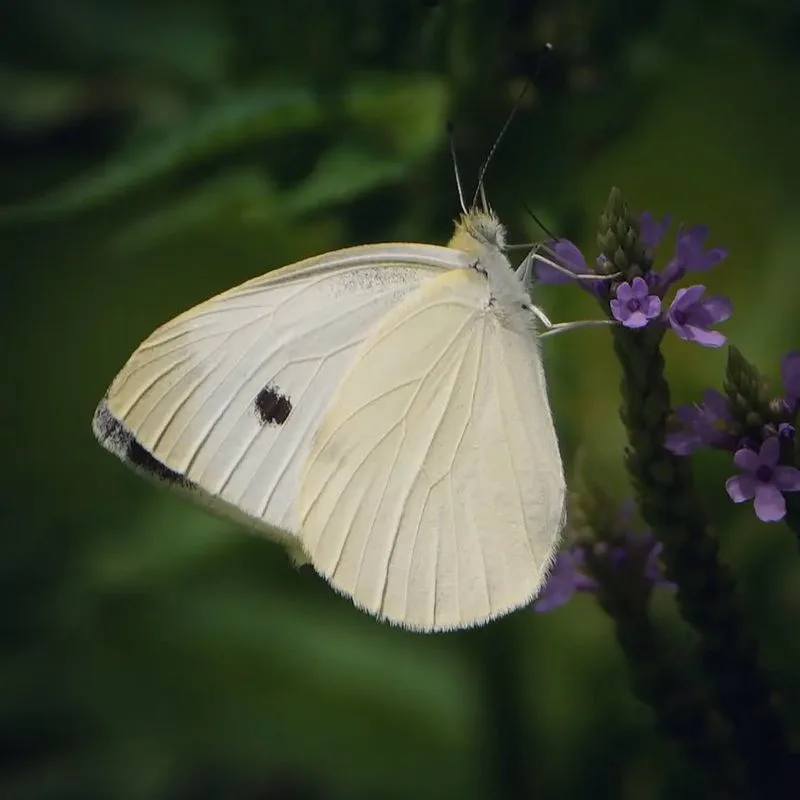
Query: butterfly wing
[[434, 493], [223, 400]]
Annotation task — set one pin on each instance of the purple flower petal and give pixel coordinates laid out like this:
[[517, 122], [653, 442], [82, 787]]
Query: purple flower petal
[[625, 293], [747, 460], [689, 414], [689, 249], [704, 424], [711, 258], [690, 316], [741, 488], [689, 256], [719, 307], [770, 451], [716, 405], [701, 336], [639, 288], [769, 503], [565, 579], [692, 239], [636, 320], [652, 230], [569, 256], [787, 479], [687, 297], [651, 306]]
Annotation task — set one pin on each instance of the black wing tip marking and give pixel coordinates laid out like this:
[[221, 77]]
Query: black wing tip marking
[[113, 435], [272, 407]]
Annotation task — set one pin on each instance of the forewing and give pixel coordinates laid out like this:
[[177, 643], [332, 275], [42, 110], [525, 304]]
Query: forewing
[[434, 493], [223, 400]]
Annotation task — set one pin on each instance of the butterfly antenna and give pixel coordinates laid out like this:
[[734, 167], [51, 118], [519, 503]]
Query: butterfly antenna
[[539, 222], [451, 140], [484, 201], [482, 174], [509, 119]]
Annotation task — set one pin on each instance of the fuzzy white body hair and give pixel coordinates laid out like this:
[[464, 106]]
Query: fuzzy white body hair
[[483, 236]]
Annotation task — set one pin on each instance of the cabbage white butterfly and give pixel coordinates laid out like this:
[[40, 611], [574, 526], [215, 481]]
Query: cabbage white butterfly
[[379, 410]]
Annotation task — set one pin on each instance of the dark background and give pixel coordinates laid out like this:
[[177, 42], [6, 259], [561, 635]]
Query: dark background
[[162, 151]]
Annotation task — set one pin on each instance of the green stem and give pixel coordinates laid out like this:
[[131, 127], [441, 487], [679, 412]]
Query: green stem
[[682, 713], [503, 724]]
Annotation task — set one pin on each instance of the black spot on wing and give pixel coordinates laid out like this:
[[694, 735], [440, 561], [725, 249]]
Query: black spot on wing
[[113, 435], [273, 407]]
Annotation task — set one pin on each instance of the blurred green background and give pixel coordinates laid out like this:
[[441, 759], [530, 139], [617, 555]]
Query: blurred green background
[[163, 150]]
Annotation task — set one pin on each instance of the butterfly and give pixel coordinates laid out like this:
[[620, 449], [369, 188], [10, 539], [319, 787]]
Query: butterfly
[[380, 410]]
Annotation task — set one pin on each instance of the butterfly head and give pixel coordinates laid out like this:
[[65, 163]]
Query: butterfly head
[[478, 231]]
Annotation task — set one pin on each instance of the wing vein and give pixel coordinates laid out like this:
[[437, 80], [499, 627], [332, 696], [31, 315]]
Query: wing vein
[[377, 506], [145, 388], [472, 406], [436, 429], [504, 422]]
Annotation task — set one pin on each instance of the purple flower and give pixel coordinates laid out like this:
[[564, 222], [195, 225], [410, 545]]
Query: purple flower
[[790, 372], [641, 552], [689, 255], [652, 230], [633, 558], [568, 255], [634, 306], [704, 425], [690, 316], [564, 580], [763, 479]]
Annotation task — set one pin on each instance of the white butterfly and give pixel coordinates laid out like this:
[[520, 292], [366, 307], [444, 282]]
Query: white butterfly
[[380, 410]]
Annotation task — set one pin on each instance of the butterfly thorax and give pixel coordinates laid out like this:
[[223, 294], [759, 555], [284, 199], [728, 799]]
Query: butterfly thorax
[[483, 237]]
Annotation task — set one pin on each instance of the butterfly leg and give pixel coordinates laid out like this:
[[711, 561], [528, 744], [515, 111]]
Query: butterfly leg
[[545, 255], [561, 327]]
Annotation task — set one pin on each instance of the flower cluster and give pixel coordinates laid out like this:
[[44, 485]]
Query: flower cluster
[[577, 568], [722, 709], [567, 577], [639, 301], [758, 451], [706, 424]]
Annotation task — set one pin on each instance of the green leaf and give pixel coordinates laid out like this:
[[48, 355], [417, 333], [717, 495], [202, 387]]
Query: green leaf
[[224, 127], [343, 172], [189, 43], [411, 114], [235, 199]]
